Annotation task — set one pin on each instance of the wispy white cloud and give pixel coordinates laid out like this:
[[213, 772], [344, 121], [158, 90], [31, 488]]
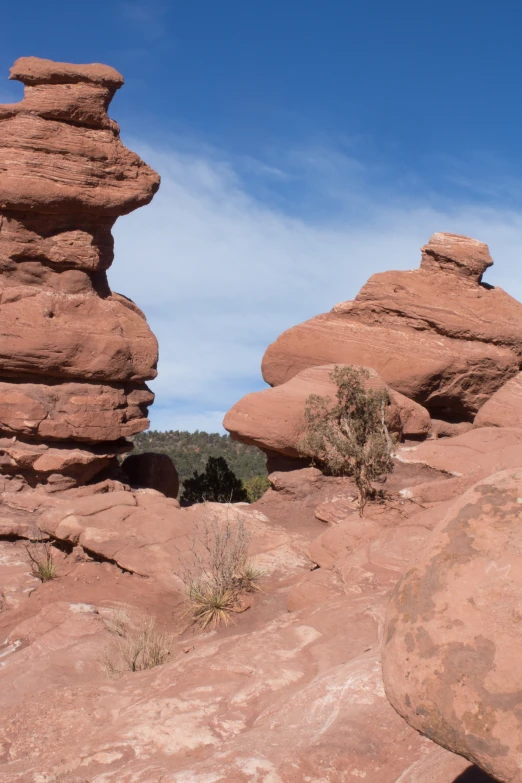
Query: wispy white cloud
[[220, 272], [148, 16]]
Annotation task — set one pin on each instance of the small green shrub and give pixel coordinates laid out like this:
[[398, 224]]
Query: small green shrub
[[256, 487], [349, 436]]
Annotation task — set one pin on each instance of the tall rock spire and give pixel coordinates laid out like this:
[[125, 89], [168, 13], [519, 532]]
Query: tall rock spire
[[74, 356]]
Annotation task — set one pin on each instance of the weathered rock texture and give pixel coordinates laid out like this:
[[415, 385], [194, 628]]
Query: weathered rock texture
[[291, 691], [452, 653], [436, 334], [504, 408], [74, 356], [273, 419]]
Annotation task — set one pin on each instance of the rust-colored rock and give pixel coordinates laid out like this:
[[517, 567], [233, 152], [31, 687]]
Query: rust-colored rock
[[453, 637], [504, 408], [457, 255], [435, 334], [62, 127], [73, 355], [273, 419], [224, 706]]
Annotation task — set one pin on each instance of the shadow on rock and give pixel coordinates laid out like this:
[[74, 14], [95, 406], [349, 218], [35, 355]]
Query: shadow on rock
[[474, 775]]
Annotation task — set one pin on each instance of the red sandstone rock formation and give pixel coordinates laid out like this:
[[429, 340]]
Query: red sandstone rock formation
[[273, 419], [74, 356], [301, 669], [452, 651], [504, 408], [436, 334]]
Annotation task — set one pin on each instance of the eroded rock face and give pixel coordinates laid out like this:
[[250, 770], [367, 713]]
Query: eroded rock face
[[290, 691], [504, 408], [452, 642], [273, 419], [74, 356], [435, 334]]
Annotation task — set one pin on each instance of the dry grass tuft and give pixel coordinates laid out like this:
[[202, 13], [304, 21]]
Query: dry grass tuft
[[249, 577], [40, 555], [217, 571], [136, 647], [211, 606]]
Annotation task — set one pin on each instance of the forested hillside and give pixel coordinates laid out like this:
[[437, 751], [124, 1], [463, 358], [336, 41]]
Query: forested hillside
[[190, 451]]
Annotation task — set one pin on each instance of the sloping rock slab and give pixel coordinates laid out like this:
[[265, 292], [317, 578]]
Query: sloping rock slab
[[504, 408]]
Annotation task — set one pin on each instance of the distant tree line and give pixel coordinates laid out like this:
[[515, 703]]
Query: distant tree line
[[191, 451]]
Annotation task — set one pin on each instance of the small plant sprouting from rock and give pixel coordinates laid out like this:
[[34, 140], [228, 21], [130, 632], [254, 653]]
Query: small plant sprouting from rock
[[217, 571], [349, 437], [249, 577], [136, 646], [41, 558]]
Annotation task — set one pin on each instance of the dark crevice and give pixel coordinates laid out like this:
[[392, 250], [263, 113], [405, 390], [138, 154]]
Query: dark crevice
[[12, 537], [64, 546], [474, 775], [103, 559], [67, 548], [75, 123], [96, 447]]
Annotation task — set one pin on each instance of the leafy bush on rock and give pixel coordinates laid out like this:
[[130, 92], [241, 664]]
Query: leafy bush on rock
[[349, 436]]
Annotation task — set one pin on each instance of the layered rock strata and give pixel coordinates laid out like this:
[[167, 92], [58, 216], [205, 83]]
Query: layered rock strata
[[74, 356], [436, 334]]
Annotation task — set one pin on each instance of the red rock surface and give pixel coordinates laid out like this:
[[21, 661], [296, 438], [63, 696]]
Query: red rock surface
[[504, 408], [273, 419], [73, 355], [292, 691], [440, 337], [436, 334], [451, 659]]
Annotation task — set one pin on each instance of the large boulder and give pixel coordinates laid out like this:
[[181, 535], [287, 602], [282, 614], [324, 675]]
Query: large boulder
[[436, 334], [452, 665], [273, 419], [504, 408], [73, 354], [153, 471]]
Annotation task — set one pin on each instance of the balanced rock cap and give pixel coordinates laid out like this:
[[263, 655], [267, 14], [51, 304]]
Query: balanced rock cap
[[34, 70], [59, 150], [456, 254]]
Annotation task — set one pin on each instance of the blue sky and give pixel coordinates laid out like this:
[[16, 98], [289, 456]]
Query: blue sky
[[303, 145]]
